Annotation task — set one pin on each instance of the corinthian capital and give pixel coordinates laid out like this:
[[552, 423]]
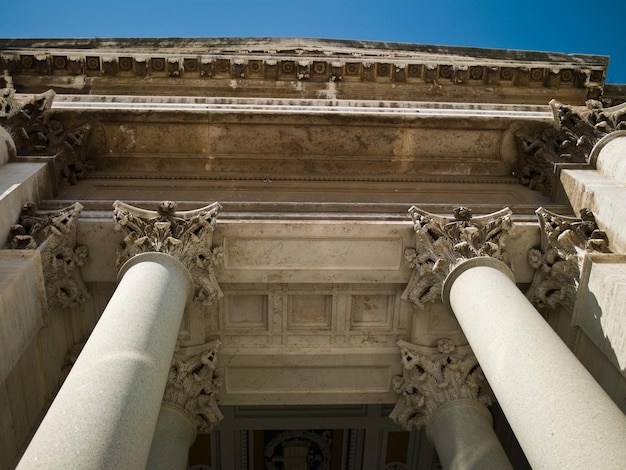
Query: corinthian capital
[[557, 263], [185, 235], [54, 235], [443, 242], [433, 377], [193, 383]]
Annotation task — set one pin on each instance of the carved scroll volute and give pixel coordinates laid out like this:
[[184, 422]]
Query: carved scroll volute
[[557, 263], [433, 377], [193, 384], [442, 242], [185, 235], [54, 235]]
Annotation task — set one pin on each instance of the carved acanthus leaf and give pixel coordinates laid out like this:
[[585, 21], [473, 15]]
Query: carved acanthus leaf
[[442, 242], [186, 235], [193, 383], [575, 131], [433, 377], [28, 120], [54, 234], [564, 241]]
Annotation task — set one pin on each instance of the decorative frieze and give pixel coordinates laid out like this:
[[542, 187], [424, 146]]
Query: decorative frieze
[[193, 383], [185, 235], [54, 235], [28, 120], [443, 242], [308, 65], [433, 377], [557, 263]]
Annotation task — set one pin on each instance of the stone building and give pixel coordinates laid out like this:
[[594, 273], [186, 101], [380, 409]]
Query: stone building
[[252, 253]]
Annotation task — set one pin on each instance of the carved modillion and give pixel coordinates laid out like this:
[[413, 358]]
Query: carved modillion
[[54, 235], [557, 263], [185, 235], [193, 383], [433, 377], [443, 242]]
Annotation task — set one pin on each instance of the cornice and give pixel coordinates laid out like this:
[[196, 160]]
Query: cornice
[[301, 59]]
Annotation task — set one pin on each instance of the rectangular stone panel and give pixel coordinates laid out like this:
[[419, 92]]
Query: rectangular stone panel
[[244, 310], [309, 311], [372, 311], [311, 253], [308, 375]]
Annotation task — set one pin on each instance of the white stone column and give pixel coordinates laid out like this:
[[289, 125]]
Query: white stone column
[[105, 414], [560, 415], [175, 432]]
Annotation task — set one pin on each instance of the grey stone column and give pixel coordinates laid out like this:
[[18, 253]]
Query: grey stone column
[[188, 407], [560, 415], [441, 390], [105, 414], [175, 432]]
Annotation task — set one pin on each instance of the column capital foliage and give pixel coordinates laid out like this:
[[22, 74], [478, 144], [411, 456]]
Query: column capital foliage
[[433, 377], [443, 242], [54, 235], [185, 235], [28, 119], [574, 133], [557, 263], [193, 383]]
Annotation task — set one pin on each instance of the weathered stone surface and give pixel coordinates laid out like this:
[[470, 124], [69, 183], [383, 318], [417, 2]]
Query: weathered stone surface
[[443, 242], [433, 377], [187, 236]]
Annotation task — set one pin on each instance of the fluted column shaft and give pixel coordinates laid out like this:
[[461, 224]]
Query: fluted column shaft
[[105, 414], [560, 415]]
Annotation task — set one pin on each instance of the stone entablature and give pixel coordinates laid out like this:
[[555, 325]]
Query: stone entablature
[[185, 235], [433, 377], [443, 242]]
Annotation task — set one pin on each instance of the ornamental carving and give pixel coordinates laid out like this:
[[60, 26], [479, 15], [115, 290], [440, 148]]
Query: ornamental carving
[[185, 235], [28, 121], [193, 383], [564, 241], [54, 235], [575, 131], [433, 377], [443, 242]]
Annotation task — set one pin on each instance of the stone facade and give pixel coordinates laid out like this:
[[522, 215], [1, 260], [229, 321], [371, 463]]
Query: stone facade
[[317, 196]]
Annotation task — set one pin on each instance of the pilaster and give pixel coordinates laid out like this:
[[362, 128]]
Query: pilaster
[[185, 235], [53, 234], [557, 263]]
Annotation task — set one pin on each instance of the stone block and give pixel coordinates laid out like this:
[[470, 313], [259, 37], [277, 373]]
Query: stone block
[[23, 307]]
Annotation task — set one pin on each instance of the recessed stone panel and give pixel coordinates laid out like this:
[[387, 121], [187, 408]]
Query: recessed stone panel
[[309, 311], [245, 311], [372, 311]]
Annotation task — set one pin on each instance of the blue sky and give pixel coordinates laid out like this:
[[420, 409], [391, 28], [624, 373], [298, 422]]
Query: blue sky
[[557, 26]]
